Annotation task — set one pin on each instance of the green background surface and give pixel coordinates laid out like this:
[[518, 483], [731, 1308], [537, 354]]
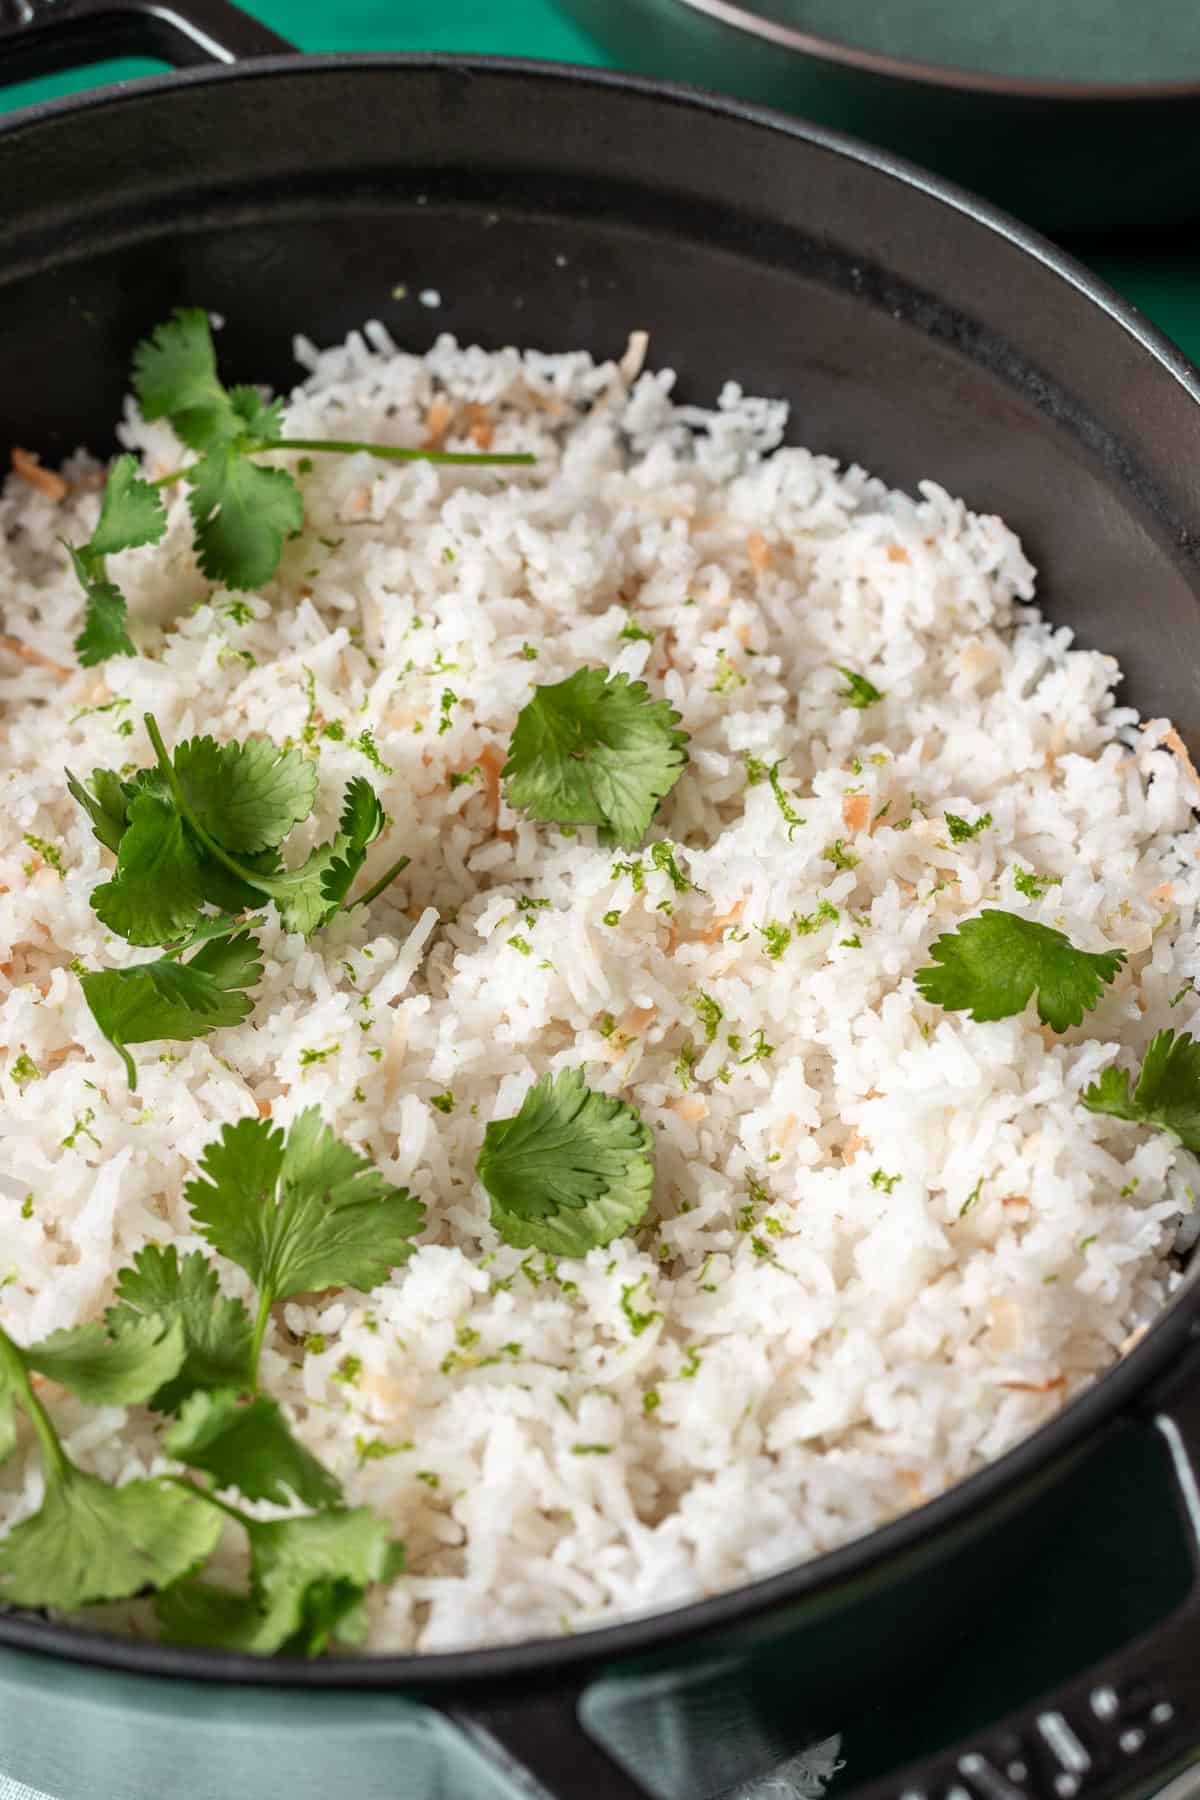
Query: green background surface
[[1121, 1562]]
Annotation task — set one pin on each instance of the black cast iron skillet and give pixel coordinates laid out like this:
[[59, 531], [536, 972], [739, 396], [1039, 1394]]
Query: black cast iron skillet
[[911, 328], [1069, 155]]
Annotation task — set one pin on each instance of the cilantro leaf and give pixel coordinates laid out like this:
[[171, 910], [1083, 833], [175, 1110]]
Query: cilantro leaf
[[203, 827], [131, 514], [308, 1577], [216, 1330], [131, 511], [105, 804], [859, 692], [241, 514], [89, 1542], [175, 1000], [991, 965], [247, 795], [1167, 1092], [175, 377], [309, 896], [156, 892], [260, 418], [103, 634], [247, 1444], [571, 1170], [301, 1212], [595, 749], [116, 1371]]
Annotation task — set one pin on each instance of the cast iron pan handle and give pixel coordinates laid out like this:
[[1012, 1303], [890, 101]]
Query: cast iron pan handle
[[1125, 1727], [46, 37], [539, 1745]]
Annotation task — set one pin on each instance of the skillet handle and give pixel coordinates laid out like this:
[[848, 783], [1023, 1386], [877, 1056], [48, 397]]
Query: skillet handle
[[537, 1745], [47, 37], [1127, 1727]]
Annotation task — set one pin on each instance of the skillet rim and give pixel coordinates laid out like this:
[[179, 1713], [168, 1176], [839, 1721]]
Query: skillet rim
[[1065, 1433]]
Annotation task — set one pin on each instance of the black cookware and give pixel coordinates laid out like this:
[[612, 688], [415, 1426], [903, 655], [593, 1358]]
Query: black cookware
[[911, 328]]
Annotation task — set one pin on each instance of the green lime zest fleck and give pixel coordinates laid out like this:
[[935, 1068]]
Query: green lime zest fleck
[[24, 1070], [50, 853], [709, 1014]]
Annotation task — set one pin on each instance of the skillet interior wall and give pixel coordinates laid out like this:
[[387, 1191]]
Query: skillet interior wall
[[302, 202]]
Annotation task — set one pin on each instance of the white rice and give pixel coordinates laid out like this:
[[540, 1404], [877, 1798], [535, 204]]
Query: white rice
[[746, 1381]]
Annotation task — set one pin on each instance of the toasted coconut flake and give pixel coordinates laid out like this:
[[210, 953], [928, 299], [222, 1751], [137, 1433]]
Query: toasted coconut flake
[[852, 1146], [1179, 750], [438, 421], [356, 505], [691, 1107], [636, 1020], [856, 811], [1036, 1387], [27, 465], [482, 430], [758, 550], [786, 1132], [28, 654], [1004, 1330], [714, 931], [914, 1488], [897, 553], [491, 761]]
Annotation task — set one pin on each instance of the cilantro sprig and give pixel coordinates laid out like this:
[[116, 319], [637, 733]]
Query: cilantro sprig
[[572, 1169], [992, 965], [241, 512], [308, 1578], [216, 1330], [204, 827], [299, 1212], [595, 749], [131, 514], [293, 1210], [87, 1541], [1166, 1093], [176, 1000]]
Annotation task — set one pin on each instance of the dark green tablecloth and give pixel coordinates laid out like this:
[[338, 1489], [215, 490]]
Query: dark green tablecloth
[[1121, 1562]]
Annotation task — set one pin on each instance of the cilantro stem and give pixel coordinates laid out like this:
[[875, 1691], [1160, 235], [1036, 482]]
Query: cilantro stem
[[389, 452], [396, 452], [385, 880], [54, 1457], [200, 1493]]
